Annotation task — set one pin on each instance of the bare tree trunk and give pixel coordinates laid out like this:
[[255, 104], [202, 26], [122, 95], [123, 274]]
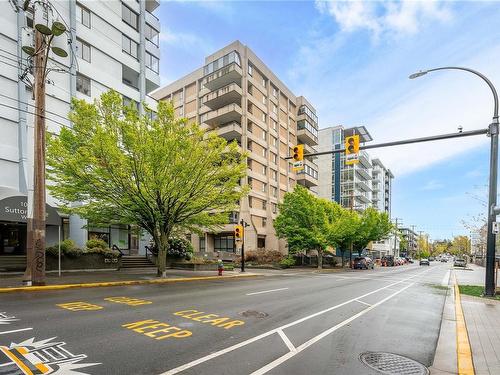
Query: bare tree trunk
[[320, 258], [162, 243], [343, 260]]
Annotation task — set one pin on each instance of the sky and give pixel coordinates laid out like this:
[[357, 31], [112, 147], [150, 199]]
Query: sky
[[352, 60]]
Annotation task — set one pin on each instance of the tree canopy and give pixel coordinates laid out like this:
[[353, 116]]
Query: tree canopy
[[157, 172]]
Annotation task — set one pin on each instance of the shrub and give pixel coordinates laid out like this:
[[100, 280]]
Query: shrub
[[179, 248], [287, 262], [264, 256], [96, 243], [68, 248], [52, 251]]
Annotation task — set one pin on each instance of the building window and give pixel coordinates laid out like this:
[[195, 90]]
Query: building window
[[274, 158], [250, 70], [129, 46], [274, 175], [202, 244], [275, 191], [264, 152], [264, 82], [250, 108], [83, 84], [152, 35], [83, 15], [275, 125], [250, 89], [264, 135], [250, 202], [249, 127], [261, 241], [275, 92], [274, 141], [275, 109], [304, 124], [130, 17], [264, 170], [249, 145], [83, 50], [263, 188], [250, 181], [264, 117], [264, 205], [231, 57], [224, 242], [263, 100], [152, 63], [274, 208], [307, 111]]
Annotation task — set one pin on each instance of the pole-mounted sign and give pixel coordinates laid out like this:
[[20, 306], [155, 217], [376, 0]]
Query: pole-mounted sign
[[352, 149]]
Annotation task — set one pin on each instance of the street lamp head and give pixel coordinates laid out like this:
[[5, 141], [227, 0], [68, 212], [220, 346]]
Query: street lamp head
[[418, 74]]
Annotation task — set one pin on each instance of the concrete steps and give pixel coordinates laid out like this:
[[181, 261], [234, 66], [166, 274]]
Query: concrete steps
[[136, 261]]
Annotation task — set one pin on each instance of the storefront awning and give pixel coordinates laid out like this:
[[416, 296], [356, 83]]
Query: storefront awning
[[14, 208]]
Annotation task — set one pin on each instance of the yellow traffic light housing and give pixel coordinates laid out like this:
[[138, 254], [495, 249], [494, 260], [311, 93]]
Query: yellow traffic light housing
[[238, 232], [298, 153], [351, 144]]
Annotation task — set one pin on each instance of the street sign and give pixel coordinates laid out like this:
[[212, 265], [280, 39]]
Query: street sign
[[298, 165], [496, 227], [351, 149]]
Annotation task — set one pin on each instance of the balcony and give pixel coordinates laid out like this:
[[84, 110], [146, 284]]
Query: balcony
[[230, 131], [231, 73], [309, 150], [363, 173], [308, 177], [223, 96], [362, 198], [151, 5], [226, 114], [364, 159], [362, 185], [306, 137]]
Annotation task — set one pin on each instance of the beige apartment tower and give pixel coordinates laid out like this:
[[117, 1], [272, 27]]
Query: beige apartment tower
[[239, 97]]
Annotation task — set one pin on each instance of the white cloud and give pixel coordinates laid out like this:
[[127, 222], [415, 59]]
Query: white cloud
[[432, 185], [385, 17]]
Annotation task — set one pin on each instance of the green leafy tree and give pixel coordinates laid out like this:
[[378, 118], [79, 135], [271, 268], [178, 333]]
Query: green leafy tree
[[302, 222], [460, 245], [342, 227], [160, 173], [373, 226]]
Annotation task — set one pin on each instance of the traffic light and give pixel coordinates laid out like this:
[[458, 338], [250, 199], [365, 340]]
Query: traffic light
[[238, 232], [298, 153], [352, 149]]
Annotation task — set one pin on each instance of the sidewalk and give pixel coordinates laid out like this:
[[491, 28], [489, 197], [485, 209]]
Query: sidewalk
[[137, 276], [483, 323]]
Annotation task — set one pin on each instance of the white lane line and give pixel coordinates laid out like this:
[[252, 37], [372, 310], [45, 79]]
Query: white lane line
[[446, 279], [364, 303], [15, 330], [284, 358], [266, 291], [286, 340], [273, 331]]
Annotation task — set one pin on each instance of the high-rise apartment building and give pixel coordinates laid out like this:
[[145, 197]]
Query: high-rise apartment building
[[349, 185], [112, 45], [381, 186], [236, 95]]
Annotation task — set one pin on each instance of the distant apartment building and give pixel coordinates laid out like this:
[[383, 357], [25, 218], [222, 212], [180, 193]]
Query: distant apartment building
[[236, 95], [381, 186], [113, 45], [348, 185], [411, 240]]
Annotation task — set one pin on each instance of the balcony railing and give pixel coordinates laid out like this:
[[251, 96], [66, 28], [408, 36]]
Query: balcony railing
[[226, 114], [231, 73], [223, 96]]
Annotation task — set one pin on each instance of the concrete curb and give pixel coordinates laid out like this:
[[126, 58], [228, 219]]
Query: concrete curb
[[119, 283], [464, 350]]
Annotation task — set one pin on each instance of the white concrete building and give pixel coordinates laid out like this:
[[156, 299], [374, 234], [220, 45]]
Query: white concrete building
[[112, 45]]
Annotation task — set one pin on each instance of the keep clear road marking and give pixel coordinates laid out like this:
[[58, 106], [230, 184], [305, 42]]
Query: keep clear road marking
[[15, 330], [276, 330], [266, 291]]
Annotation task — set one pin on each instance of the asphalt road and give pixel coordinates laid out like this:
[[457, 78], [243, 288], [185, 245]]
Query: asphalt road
[[291, 323]]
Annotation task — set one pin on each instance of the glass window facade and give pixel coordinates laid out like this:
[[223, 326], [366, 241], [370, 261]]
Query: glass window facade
[[303, 109], [224, 242], [83, 50], [152, 35], [231, 57], [83, 84], [152, 63], [304, 124], [129, 46], [130, 17]]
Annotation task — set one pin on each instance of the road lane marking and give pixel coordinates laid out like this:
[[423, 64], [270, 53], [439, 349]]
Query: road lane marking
[[6, 319], [465, 361], [128, 301], [286, 340], [446, 279], [213, 319], [79, 306], [149, 328], [266, 291], [15, 330], [273, 331], [292, 353], [364, 303]]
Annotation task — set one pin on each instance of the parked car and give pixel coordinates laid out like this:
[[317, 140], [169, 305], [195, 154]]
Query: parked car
[[387, 260], [424, 262], [444, 260], [431, 259], [363, 263], [459, 262], [409, 260]]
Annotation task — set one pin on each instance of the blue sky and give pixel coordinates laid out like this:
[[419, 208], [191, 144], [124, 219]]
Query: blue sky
[[351, 60]]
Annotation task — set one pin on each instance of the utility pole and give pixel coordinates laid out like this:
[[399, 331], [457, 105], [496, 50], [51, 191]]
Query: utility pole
[[37, 250], [420, 240], [412, 238], [46, 28], [396, 235], [244, 224], [351, 204]]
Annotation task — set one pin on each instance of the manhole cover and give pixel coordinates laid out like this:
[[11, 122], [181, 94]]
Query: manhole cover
[[393, 364], [256, 314]]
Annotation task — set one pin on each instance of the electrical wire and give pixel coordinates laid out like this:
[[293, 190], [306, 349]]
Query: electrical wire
[[34, 106], [34, 113]]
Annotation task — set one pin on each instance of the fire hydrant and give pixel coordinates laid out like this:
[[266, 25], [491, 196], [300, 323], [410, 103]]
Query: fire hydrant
[[220, 266]]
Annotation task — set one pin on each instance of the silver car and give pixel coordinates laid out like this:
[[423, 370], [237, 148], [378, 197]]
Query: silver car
[[459, 263]]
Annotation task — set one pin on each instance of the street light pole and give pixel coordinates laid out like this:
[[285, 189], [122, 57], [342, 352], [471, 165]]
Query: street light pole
[[489, 287]]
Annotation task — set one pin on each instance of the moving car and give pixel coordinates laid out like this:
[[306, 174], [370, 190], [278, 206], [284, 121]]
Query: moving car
[[425, 262], [459, 262], [363, 263]]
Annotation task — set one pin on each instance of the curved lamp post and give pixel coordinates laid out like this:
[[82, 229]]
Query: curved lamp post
[[490, 287]]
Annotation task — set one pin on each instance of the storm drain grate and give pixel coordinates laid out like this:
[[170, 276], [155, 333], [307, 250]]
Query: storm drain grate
[[393, 364], [256, 314]]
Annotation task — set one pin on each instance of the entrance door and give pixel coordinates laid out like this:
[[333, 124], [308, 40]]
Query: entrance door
[[12, 238]]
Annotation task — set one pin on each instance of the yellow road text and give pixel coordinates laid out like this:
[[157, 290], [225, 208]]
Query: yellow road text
[[157, 330], [79, 306], [212, 319]]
